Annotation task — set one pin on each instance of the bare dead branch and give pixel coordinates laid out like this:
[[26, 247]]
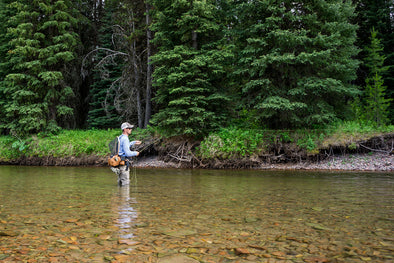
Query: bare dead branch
[[377, 150]]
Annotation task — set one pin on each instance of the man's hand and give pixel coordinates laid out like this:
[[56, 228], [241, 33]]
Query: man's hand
[[137, 142]]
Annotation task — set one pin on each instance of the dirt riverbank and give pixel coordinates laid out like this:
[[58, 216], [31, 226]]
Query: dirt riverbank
[[373, 154], [346, 162]]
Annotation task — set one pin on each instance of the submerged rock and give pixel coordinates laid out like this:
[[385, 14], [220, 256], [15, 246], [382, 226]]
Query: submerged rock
[[177, 259]]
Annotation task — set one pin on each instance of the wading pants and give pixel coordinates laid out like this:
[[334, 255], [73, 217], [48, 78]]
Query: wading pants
[[124, 175]]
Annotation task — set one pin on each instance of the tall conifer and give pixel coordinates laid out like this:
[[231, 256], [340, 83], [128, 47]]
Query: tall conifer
[[42, 44], [296, 60], [377, 14], [189, 67], [5, 13], [376, 105]]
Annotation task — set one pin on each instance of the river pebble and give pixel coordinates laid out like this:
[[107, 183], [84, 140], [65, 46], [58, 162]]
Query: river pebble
[[349, 162], [357, 162]]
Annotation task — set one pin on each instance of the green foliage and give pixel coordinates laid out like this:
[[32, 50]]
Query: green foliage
[[7, 151], [376, 105], [231, 143], [190, 68], [257, 64], [66, 143], [235, 143], [373, 107], [357, 127], [73, 143], [295, 60], [21, 146], [377, 14], [36, 95], [307, 142]]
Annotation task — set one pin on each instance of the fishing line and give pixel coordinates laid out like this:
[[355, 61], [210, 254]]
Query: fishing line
[[134, 176]]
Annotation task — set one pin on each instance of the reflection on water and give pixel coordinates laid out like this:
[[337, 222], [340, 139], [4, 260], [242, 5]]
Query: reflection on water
[[51, 214], [127, 214]]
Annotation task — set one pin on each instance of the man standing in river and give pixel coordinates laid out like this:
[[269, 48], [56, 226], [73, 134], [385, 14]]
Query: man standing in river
[[125, 153]]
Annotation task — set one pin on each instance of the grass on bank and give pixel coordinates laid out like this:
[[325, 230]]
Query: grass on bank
[[234, 143], [64, 144], [227, 143]]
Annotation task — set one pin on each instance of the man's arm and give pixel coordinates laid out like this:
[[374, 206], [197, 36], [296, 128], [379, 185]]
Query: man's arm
[[135, 142], [125, 147]]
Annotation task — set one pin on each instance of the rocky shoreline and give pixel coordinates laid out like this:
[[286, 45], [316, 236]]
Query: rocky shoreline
[[348, 162], [373, 161]]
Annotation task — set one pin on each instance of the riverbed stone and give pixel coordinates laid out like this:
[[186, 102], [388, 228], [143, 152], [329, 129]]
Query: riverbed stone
[[177, 259]]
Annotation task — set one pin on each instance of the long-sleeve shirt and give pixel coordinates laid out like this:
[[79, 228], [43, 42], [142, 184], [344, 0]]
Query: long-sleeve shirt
[[124, 146]]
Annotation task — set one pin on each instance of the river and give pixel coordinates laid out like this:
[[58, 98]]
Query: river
[[79, 214]]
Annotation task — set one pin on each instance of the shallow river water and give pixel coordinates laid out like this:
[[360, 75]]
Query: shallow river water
[[74, 214]]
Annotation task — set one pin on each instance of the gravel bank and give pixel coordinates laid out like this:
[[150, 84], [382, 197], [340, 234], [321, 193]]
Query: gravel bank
[[356, 162]]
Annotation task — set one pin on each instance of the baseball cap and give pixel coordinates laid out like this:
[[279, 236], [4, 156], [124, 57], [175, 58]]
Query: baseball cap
[[126, 125]]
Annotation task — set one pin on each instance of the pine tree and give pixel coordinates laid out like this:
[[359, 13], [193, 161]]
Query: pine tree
[[376, 105], [42, 43], [190, 67], [296, 60]]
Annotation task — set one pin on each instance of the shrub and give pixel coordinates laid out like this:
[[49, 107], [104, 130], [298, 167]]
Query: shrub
[[231, 143]]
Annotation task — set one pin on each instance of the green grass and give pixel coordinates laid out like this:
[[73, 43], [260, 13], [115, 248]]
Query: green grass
[[347, 133], [66, 143], [234, 142], [72, 143], [231, 143]]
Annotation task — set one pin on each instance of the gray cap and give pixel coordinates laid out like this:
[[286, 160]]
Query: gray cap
[[126, 125]]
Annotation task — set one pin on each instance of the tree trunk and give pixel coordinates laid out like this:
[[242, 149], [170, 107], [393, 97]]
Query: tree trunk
[[194, 39], [149, 70]]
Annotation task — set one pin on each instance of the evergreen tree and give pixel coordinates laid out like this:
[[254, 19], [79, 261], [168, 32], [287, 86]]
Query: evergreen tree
[[376, 105], [377, 14], [190, 67], [296, 60], [5, 13], [42, 43]]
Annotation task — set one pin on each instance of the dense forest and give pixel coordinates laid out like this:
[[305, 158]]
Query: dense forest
[[191, 67]]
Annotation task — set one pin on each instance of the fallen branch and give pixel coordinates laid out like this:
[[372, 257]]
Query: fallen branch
[[180, 158], [377, 150]]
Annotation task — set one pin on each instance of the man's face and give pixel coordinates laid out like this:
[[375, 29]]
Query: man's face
[[129, 130]]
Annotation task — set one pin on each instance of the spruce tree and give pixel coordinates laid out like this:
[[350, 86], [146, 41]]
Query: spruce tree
[[376, 105], [377, 14], [190, 67], [42, 44], [5, 13], [296, 60]]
